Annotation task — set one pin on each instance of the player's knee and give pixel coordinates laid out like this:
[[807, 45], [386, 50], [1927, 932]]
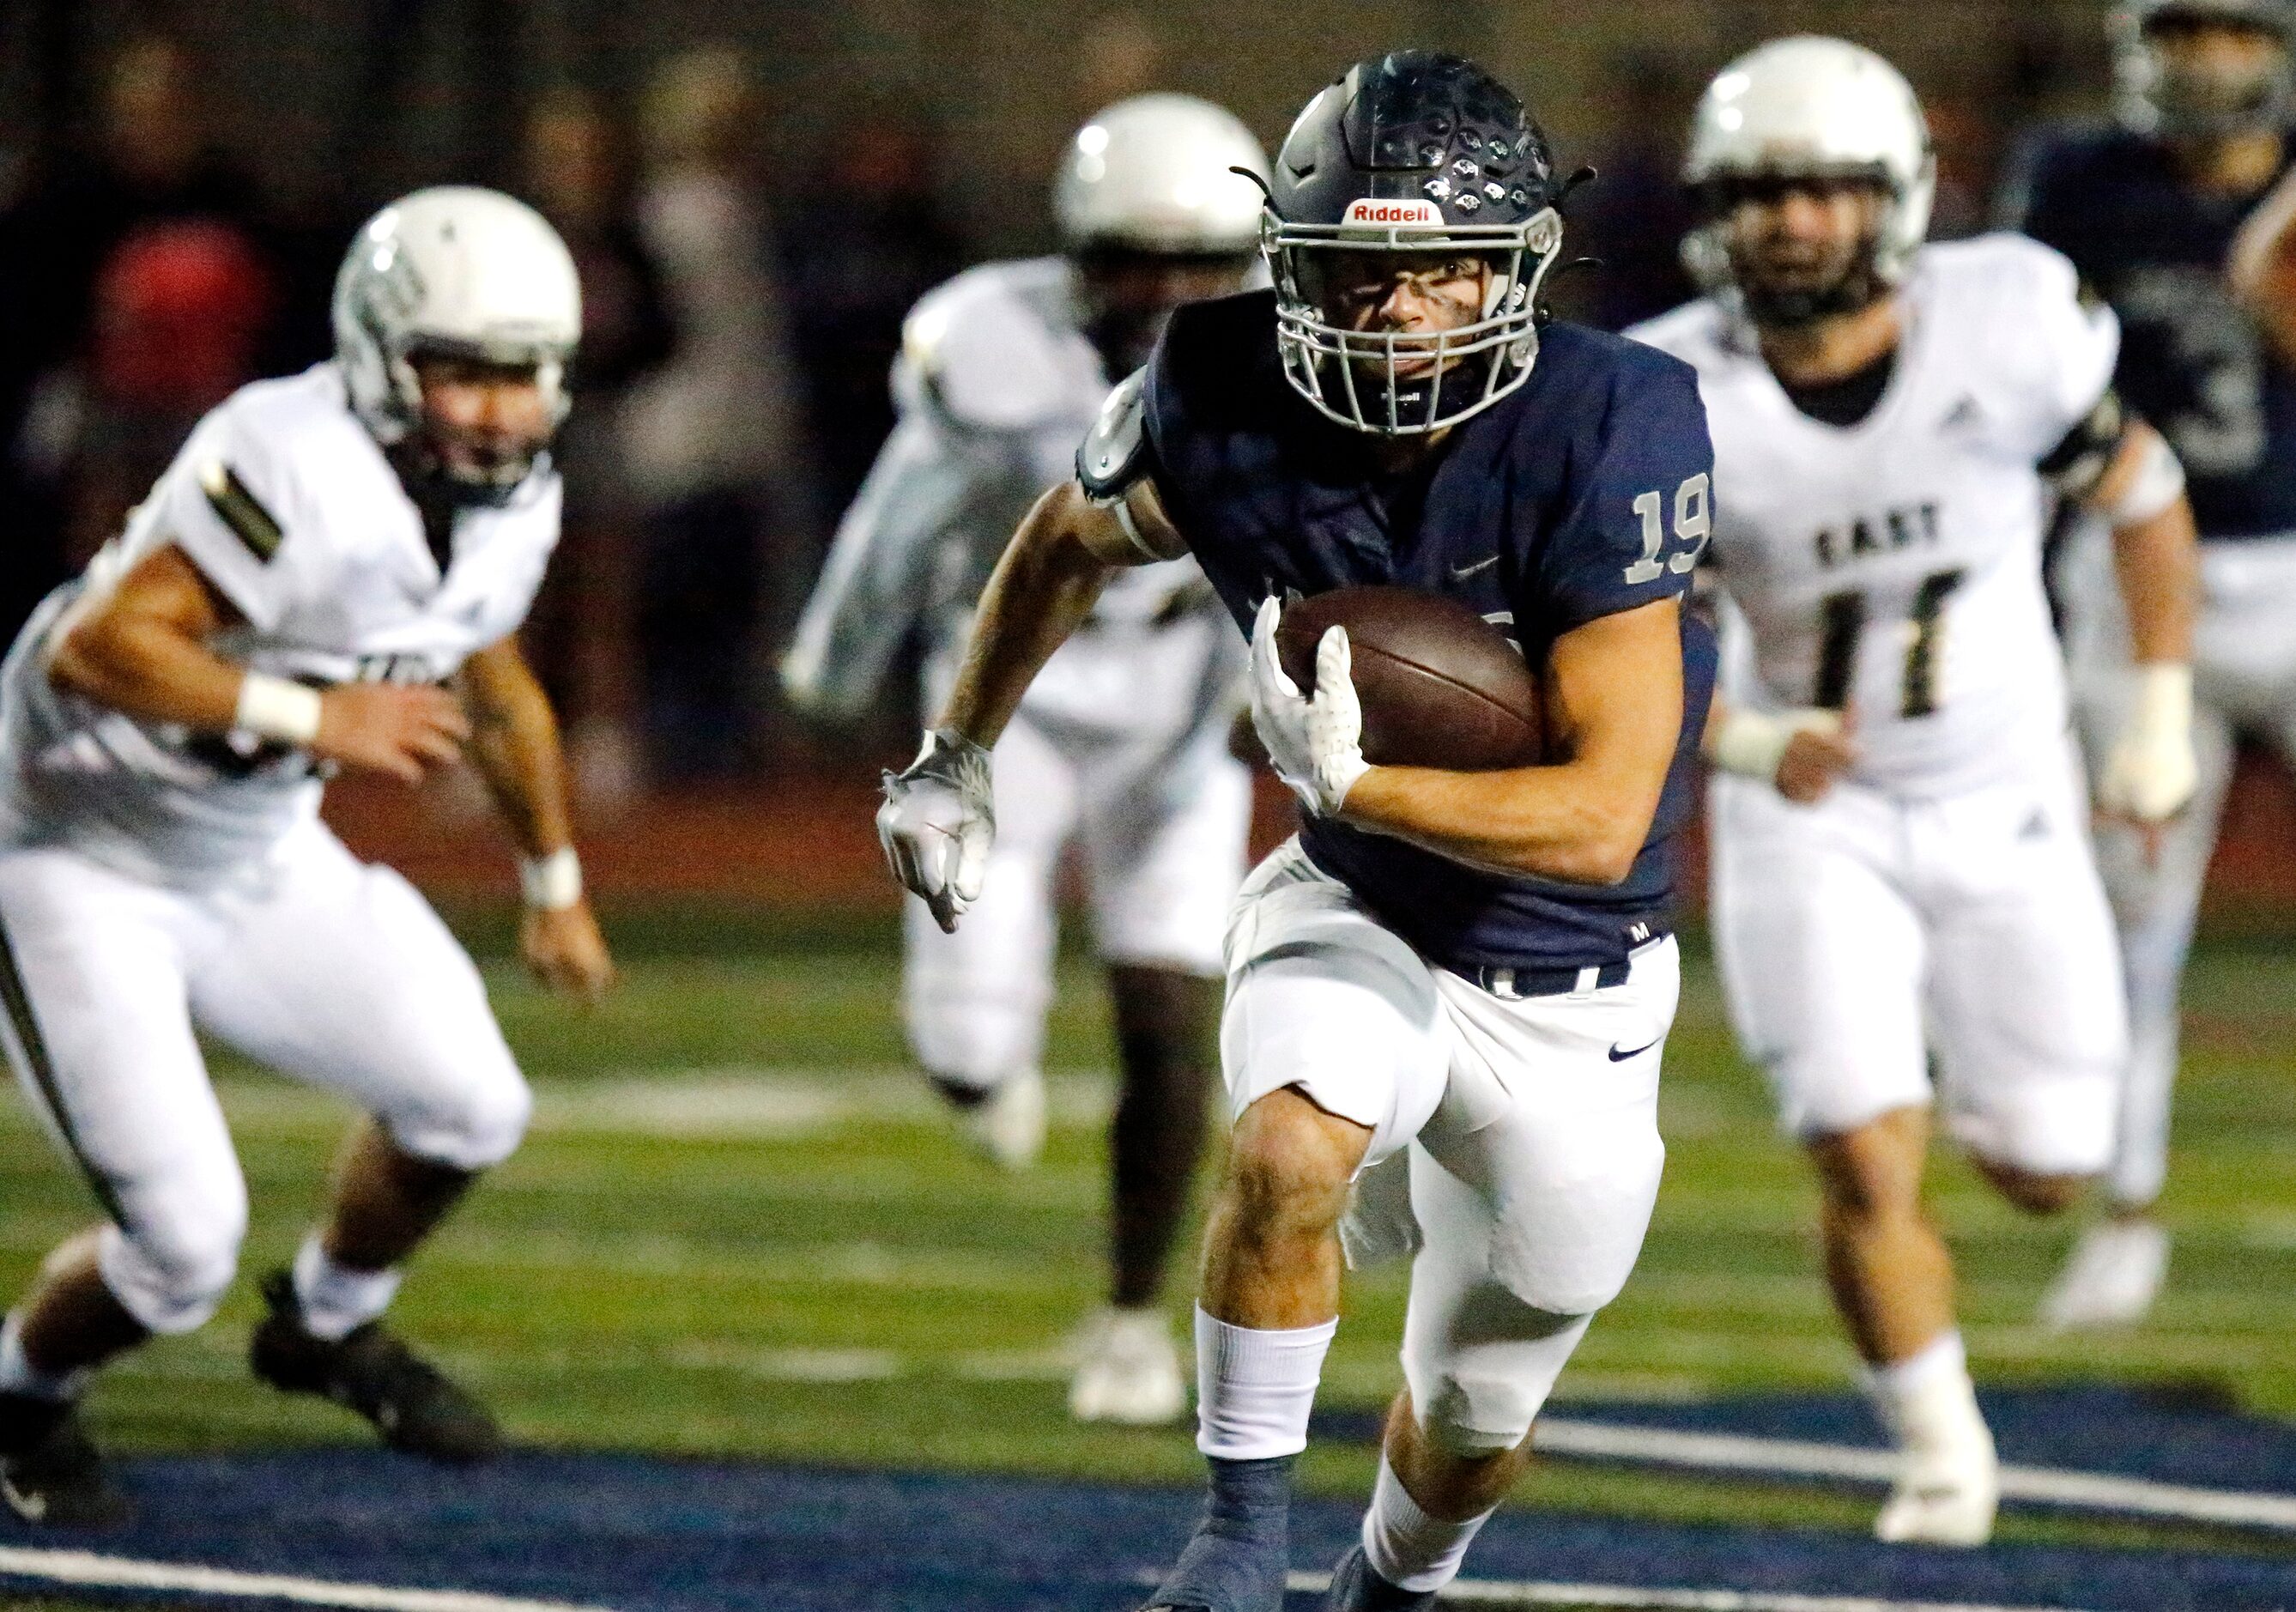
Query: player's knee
[[2041, 1144], [493, 1123], [1871, 1171], [172, 1274], [1479, 1386], [1289, 1167], [475, 1127], [975, 1044], [2034, 1192]]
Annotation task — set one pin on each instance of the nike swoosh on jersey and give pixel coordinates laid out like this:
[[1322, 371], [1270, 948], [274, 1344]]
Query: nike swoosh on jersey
[[1619, 1057], [1460, 573]]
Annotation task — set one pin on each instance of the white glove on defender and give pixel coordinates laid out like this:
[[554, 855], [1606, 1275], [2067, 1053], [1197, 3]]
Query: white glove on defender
[[938, 822], [2149, 773], [1314, 743]]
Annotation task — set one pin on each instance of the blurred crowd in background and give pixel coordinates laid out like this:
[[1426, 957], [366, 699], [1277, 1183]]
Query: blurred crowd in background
[[740, 319]]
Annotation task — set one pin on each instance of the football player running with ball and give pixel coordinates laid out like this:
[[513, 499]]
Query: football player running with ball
[[1458, 983], [2156, 212], [1122, 741], [1900, 843], [327, 577]]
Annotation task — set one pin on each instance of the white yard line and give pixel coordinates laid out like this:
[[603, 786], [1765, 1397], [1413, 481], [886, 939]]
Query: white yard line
[[2090, 1491], [729, 1102], [89, 1570]]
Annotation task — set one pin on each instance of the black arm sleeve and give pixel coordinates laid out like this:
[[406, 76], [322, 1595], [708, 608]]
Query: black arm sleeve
[[2076, 465]]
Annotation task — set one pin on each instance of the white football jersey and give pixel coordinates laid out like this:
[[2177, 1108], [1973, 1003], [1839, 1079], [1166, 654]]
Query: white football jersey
[[1894, 566], [286, 504], [997, 385]]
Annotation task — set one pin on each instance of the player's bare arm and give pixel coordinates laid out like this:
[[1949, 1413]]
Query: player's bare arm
[[144, 648], [2263, 268], [2151, 771], [2156, 550], [515, 744], [1616, 700]]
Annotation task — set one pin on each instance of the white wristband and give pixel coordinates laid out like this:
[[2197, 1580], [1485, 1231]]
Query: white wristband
[[554, 882], [2157, 483], [1752, 743], [274, 708], [2164, 697]]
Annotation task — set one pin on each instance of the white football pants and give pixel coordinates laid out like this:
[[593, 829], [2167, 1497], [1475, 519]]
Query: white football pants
[[1515, 1141], [1856, 935], [2244, 680], [327, 969]]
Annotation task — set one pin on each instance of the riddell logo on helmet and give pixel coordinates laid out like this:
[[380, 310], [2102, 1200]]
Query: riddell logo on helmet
[[1413, 210]]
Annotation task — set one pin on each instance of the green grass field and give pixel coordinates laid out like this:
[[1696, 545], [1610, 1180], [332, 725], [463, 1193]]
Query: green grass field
[[740, 1229]]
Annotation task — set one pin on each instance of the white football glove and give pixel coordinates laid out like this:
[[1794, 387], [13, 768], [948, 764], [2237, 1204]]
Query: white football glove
[[2149, 773], [1314, 742], [938, 822]]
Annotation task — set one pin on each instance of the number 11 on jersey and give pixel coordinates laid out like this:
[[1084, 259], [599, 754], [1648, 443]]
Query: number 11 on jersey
[[1841, 622]]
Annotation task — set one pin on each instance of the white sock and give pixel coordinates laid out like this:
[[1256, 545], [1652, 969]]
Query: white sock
[[1405, 1546], [1927, 1400], [1255, 1388], [335, 1299], [20, 1376]]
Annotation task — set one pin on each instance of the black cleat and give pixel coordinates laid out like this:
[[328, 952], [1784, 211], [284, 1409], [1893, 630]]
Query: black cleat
[[1357, 1588], [409, 1401], [50, 1471]]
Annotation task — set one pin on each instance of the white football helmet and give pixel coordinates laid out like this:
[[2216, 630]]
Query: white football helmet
[[465, 272], [1809, 107], [2153, 97], [1151, 173]]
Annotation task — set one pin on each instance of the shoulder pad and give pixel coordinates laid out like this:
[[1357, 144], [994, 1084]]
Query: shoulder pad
[[1681, 330], [1114, 453]]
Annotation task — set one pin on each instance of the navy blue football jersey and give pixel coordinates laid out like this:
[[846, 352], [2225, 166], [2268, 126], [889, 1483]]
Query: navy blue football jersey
[[1584, 493], [2192, 362]]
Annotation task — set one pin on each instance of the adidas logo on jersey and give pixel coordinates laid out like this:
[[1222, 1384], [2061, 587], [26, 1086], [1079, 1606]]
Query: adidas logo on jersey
[[1885, 533], [1964, 415]]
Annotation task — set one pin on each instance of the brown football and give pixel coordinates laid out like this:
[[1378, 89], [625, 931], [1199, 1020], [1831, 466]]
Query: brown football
[[1440, 686]]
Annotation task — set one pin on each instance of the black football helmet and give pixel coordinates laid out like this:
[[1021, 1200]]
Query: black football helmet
[[1411, 153], [2156, 98]]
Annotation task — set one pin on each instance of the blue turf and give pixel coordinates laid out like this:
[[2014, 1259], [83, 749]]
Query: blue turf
[[652, 1535], [2171, 1434], [664, 1536]]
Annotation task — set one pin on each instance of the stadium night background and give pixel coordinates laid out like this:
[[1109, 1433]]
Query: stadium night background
[[760, 1330]]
